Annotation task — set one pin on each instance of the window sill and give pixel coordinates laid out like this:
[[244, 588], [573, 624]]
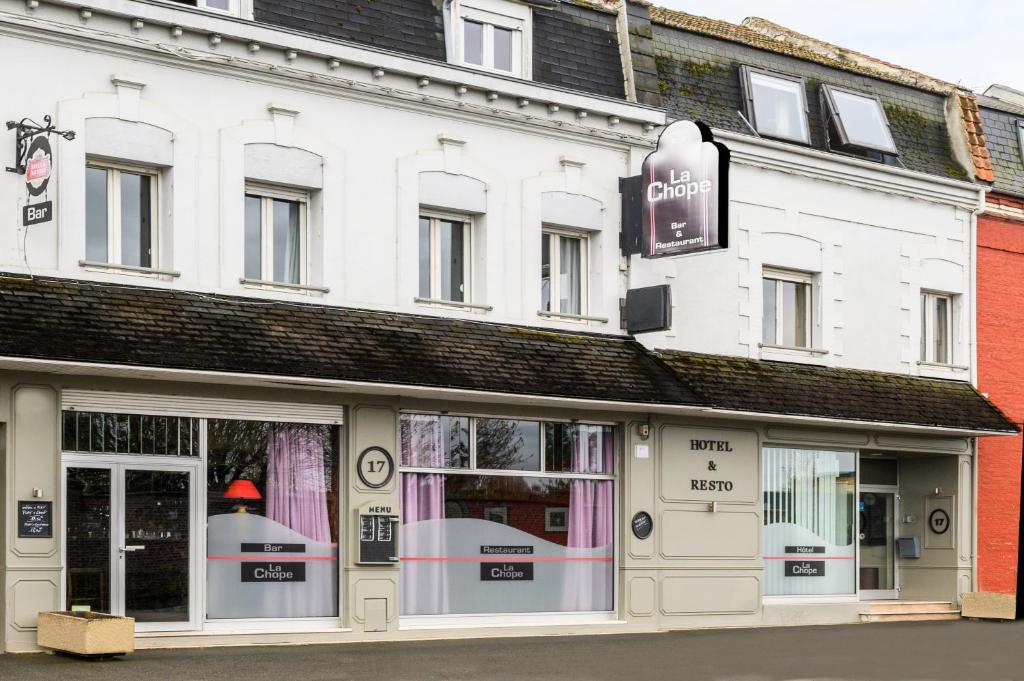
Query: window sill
[[564, 316], [454, 304], [938, 366], [96, 266], [282, 286], [794, 349]]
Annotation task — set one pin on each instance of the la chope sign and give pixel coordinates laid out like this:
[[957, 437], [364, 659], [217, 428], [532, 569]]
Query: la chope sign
[[685, 192]]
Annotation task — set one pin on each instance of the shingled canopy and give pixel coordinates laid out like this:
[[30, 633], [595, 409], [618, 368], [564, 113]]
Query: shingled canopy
[[61, 319], [44, 318], [748, 385]]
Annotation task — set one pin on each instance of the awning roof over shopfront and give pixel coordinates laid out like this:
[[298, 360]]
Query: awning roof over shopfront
[[69, 320], [61, 320], [749, 385]]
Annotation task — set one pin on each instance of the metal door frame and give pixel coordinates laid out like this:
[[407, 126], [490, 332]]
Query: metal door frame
[[117, 465], [881, 594]]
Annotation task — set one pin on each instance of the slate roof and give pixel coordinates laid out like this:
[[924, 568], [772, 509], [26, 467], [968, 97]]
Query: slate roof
[[575, 44], [698, 63], [741, 384], [413, 27], [62, 319], [1001, 120]]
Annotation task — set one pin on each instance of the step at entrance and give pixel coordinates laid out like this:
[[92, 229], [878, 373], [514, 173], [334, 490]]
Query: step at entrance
[[908, 611]]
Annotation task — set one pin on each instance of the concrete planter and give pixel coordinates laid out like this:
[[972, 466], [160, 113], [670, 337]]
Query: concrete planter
[[986, 605], [86, 633]]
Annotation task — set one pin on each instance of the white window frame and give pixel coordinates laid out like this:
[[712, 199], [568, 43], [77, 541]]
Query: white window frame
[[267, 194], [512, 16], [435, 218], [928, 299], [232, 10], [780, 276], [746, 79], [413, 622], [555, 262], [114, 226], [1020, 138]]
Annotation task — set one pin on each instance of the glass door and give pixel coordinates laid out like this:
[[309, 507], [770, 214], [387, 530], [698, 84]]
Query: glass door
[[155, 545], [129, 538], [877, 542]]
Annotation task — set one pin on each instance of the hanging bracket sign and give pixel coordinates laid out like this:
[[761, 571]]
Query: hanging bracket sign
[[685, 193]]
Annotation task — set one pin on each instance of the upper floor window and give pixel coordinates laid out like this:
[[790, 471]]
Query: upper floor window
[[857, 121], [491, 35], [936, 328], [226, 6], [444, 256], [1020, 137], [787, 309], [120, 214], [563, 275], [776, 104], [275, 234]]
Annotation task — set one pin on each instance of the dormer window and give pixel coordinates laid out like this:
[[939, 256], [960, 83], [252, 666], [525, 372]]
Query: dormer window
[[491, 35], [1020, 137], [776, 104], [225, 6], [857, 123]]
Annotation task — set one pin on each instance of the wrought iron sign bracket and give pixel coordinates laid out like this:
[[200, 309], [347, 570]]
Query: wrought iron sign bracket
[[26, 130]]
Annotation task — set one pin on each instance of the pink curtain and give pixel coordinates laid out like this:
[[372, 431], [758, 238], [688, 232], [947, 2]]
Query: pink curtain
[[424, 584], [588, 584], [296, 489]]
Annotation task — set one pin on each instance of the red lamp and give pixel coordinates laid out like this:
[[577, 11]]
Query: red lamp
[[242, 490]]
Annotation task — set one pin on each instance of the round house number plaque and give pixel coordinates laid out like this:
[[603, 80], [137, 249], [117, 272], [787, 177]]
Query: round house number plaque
[[375, 467], [643, 525], [938, 521]]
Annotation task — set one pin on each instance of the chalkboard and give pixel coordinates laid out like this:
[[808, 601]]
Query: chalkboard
[[378, 539], [35, 519], [643, 525]]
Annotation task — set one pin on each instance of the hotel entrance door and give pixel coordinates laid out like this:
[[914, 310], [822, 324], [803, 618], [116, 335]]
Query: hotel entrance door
[[877, 542], [129, 533]]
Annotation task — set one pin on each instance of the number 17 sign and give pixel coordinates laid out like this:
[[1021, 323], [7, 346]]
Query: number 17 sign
[[375, 467]]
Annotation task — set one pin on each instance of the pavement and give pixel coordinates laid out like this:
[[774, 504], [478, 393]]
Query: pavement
[[926, 651]]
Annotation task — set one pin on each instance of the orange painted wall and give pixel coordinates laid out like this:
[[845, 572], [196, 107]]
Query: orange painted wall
[[1000, 321]]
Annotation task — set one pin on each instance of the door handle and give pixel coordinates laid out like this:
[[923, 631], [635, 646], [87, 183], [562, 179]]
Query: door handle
[[126, 549]]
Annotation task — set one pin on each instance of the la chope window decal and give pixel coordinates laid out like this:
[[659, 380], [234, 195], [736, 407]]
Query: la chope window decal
[[685, 200]]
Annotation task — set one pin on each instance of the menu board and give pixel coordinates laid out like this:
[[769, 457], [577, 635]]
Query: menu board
[[35, 519], [378, 539]]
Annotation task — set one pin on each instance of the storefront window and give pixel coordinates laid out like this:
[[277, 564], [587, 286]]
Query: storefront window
[[272, 500], [100, 433], [520, 532], [809, 513]]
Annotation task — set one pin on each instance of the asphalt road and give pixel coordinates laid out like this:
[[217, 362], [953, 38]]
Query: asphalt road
[[964, 650]]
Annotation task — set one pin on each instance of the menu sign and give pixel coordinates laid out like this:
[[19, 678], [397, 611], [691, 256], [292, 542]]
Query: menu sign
[[685, 198], [35, 519]]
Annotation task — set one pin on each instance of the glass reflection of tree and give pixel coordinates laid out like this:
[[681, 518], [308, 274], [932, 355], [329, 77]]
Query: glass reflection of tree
[[500, 445]]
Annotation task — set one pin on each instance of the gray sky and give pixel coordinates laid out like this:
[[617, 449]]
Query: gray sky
[[971, 42]]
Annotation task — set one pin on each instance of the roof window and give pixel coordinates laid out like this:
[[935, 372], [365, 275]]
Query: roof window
[[776, 104], [857, 123]]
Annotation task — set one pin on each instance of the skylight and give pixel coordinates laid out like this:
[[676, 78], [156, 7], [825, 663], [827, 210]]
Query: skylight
[[858, 120], [776, 105]]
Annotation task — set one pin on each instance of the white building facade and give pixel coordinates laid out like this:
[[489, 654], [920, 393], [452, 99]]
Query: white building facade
[[323, 342]]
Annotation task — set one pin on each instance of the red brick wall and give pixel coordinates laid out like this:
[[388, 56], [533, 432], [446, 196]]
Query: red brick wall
[[1000, 375]]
